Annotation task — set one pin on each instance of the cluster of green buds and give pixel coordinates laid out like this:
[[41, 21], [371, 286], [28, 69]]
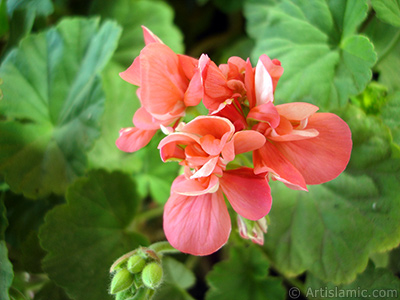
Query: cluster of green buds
[[136, 275]]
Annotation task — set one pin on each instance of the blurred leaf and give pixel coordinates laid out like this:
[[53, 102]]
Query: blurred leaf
[[51, 292], [242, 48], [85, 236], [229, 6], [120, 105], [390, 116], [52, 104], [6, 268], [131, 14], [39, 7], [22, 15], [244, 276], [6, 271], [371, 138], [388, 11], [176, 279], [324, 60], [3, 18], [374, 283], [386, 41], [394, 261], [155, 178], [313, 231]]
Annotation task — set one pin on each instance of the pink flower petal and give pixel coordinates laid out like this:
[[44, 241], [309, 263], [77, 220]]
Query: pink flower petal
[[210, 125], [294, 135], [132, 139], [143, 120], [132, 74], [249, 194], [296, 111], [163, 82], [194, 92], [249, 84], [324, 157], [269, 159], [150, 37], [247, 140], [198, 225], [265, 113], [195, 187], [216, 91]]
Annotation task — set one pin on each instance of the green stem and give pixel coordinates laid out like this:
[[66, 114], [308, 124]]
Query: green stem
[[163, 248], [389, 48], [145, 216]]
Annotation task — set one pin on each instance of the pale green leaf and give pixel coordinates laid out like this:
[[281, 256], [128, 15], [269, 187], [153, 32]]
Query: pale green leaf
[[332, 229], [132, 14], [386, 39], [85, 236], [374, 283], [244, 276], [52, 104], [325, 61], [388, 11]]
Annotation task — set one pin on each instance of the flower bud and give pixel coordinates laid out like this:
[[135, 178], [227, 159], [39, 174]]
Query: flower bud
[[121, 281], [128, 294], [152, 275], [253, 230], [136, 264]]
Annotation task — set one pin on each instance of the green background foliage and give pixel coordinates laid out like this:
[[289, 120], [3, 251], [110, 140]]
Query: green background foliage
[[71, 202]]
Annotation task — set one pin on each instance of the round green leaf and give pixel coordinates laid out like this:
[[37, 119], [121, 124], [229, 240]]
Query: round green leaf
[[85, 236], [374, 283], [332, 230], [6, 268], [52, 103], [388, 11], [324, 60], [131, 14], [244, 276], [386, 39]]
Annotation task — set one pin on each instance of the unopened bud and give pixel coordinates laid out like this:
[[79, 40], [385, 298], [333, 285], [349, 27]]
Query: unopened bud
[[152, 275], [253, 230], [136, 264], [121, 281], [128, 294]]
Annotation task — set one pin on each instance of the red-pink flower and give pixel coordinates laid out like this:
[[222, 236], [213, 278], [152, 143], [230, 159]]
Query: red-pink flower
[[303, 147], [168, 83], [196, 219], [237, 81]]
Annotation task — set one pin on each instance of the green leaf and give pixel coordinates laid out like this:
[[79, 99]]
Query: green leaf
[[332, 230], [22, 15], [120, 105], [131, 14], [6, 271], [324, 60], [3, 18], [6, 268], [388, 11], [51, 291], [386, 41], [86, 235], [155, 177], [244, 276], [374, 283], [39, 7], [176, 273], [390, 116], [52, 104]]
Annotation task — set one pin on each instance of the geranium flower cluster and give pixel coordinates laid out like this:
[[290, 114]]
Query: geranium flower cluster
[[290, 142]]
